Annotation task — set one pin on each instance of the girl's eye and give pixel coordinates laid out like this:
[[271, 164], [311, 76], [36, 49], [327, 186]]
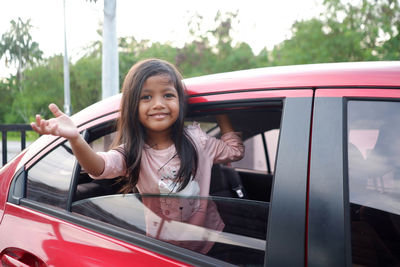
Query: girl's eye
[[145, 97], [169, 96]]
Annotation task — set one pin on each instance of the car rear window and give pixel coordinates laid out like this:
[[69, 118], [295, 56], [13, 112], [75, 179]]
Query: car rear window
[[374, 181]]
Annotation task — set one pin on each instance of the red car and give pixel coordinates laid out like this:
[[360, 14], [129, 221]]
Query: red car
[[319, 184]]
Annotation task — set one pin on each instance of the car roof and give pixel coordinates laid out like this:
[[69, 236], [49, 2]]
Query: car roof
[[349, 74], [354, 74]]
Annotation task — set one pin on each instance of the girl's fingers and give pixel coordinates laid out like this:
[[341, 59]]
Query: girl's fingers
[[55, 110], [50, 126], [37, 125], [44, 126], [34, 127], [37, 119]]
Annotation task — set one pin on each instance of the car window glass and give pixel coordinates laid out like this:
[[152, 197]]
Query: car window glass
[[103, 143], [374, 182], [229, 225], [210, 128], [227, 229], [48, 181], [255, 158]]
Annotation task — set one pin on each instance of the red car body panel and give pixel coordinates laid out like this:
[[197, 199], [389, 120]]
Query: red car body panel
[[279, 82], [349, 92], [52, 234], [252, 95], [6, 175], [363, 74]]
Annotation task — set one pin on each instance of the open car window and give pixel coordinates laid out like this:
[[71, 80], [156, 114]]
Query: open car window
[[229, 225], [262, 160]]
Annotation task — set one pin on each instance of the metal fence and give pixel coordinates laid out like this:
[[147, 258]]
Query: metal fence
[[4, 128]]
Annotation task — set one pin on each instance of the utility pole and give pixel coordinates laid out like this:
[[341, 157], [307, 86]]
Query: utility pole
[[110, 72], [67, 96]]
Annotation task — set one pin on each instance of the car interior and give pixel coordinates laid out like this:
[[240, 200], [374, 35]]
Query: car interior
[[244, 182]]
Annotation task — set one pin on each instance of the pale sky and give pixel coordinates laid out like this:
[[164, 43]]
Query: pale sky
[[262, 23]]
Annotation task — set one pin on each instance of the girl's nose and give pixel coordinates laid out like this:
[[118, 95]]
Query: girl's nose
[[158, 103]]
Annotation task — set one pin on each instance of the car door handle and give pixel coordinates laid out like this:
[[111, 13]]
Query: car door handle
[[11, 262], [15, 257]]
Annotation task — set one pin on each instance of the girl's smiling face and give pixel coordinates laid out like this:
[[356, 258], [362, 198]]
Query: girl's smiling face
[[158, 104]]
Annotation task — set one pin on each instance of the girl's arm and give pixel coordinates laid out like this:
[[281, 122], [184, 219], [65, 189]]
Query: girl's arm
[[89, 160], [227, 149], [224, 123], [63, 126]]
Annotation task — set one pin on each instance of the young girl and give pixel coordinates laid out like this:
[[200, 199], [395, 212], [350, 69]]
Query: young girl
[[154, 151]]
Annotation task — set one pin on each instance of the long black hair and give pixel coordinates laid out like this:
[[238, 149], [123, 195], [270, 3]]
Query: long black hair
[[132, 134]]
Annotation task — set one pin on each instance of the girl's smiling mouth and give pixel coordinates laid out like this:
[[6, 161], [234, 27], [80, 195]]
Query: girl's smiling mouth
[[158, 115]]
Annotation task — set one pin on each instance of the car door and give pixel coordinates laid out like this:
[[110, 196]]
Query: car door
[[354, 186], [50, 230], [287, 213], [243, 240]]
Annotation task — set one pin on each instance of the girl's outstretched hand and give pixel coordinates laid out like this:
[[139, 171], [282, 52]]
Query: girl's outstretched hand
[[61, 125]]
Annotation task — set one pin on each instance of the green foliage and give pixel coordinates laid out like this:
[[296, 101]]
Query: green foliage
[[5, 99], [347, 31], [17, 45], [16, 136], [195, 59], [85, 82], [18, 48], [43, 85], [132, 51], [308, 44], [262, 59], [215, 51]]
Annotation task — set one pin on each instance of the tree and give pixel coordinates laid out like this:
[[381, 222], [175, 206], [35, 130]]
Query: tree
[[262, 59], [215, 50], [131, 51], [85, 82], [18, 48], [6, 97], [43, 84], [346, 31], [308, 44], [374, 25]]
